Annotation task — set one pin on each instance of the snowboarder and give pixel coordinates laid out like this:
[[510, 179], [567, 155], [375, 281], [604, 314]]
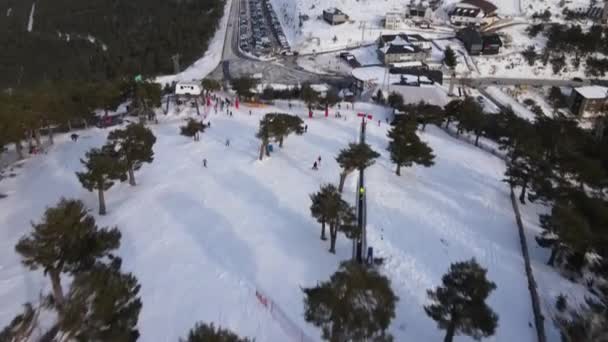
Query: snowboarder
[[204, 162], [314, 166]]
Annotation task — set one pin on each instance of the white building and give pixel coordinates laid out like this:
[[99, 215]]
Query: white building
[[188, 89], [393, 21], [472, 12]]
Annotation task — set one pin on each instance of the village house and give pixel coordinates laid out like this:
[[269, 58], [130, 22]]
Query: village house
[[393, 21], [334, 16], [477, 43], [588, 100], [472, 13], [398, 48]]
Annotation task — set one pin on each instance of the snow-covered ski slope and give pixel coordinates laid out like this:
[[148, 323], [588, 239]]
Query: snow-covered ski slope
[[202, 240]]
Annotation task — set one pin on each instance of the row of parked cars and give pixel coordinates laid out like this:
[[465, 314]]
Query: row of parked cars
[[258, 26]]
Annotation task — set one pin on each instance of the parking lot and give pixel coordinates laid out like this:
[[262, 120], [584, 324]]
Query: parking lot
[[260, 32]]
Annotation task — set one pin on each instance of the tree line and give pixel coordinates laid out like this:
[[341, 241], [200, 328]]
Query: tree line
[[102, 39], [554, 161], [45, 108], [570, 40]]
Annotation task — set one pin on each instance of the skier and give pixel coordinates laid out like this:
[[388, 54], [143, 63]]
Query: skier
[[227, 142], [250, 112], [378, 123], [205, 162], [319, 159], [305, 128], [230, 113], [314, 166]]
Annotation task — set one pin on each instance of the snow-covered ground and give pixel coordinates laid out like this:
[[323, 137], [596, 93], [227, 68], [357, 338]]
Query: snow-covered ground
[[209, 61], [197, 260], [30, 22]]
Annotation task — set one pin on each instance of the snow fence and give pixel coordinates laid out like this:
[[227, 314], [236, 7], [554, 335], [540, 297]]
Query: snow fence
[[290, 328]]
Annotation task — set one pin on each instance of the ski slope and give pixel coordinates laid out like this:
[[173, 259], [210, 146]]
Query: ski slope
[[202, 240]]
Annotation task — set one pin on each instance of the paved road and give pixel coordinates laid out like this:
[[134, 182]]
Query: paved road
[[284, 70], [486, 81]]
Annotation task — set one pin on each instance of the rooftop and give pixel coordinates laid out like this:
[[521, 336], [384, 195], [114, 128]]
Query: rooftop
[[593, 92], [484, 5]]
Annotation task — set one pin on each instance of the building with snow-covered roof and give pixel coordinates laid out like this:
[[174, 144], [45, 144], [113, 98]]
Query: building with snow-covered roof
[[334, 16], [193, 89], [588, 100], [393, 20], [399, 48], [471, 12]]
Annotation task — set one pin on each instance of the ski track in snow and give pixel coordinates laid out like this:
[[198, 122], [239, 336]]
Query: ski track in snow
[[30, 23], [201, 240]]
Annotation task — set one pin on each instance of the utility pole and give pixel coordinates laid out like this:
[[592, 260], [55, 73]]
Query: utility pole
[[362, 25], [175, 59]]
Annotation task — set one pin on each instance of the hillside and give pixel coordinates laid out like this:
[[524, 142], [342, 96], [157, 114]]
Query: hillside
[[98, 39], [201, 241]]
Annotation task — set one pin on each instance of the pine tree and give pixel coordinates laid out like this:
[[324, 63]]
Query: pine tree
[[103, 167], [530, 55], [20, 329], [449, 59], [282, 125], [203, 332], [309, 95], [356, 157], [102, 305], [108, 95], [278, 126], [566, 231], [331, 97], [211, 85], [459, 307], [427, 114], [329, 208], [406, 148], [356, 304], [264, 135], [472, 118], [395, 100], [67, 240], [452, 111], [243, 86], [134, 146], [192, 129]]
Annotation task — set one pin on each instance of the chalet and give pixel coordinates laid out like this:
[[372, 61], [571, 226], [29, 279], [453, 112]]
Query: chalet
[[393, 20], [491, 44], [588, 100], [472, 12], [188, 89], [472, 40], [334, 16], [403, 48]]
